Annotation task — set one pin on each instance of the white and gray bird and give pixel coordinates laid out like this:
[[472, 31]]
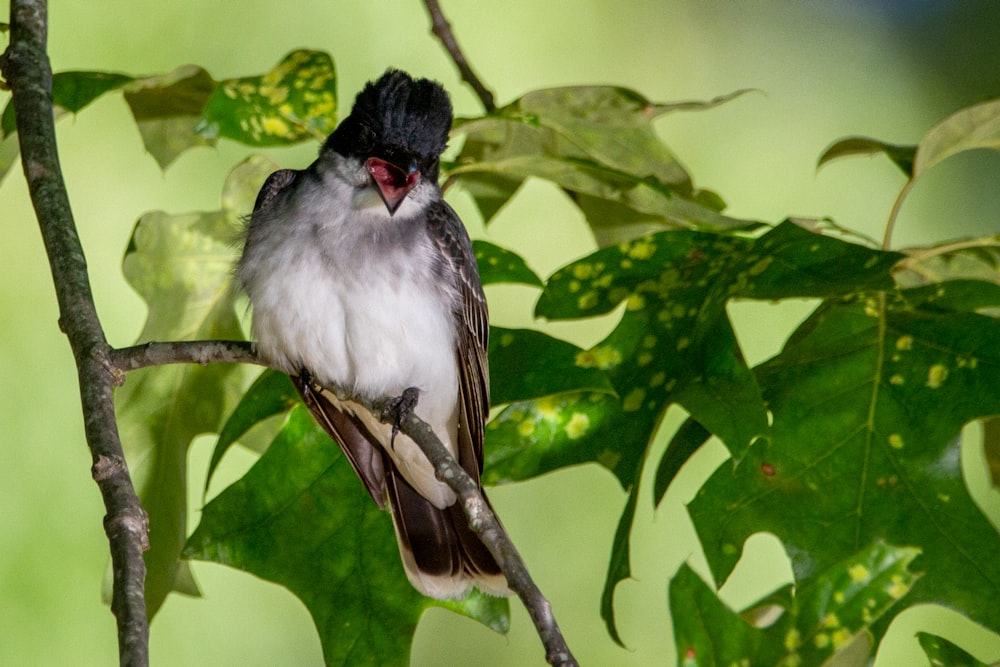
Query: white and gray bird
[[360, 276]]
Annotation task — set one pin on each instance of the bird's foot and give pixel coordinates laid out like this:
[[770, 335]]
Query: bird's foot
[[398, 409]]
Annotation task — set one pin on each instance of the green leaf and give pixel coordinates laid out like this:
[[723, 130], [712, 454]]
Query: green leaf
[[942, 653], [619, 565], [901, 156], [827, 613], [71, 92], [182, 266], [968, 259], [499, 265], [991, 448], [706, 631], [272, 393], [529, 364], [642, 197], [167, 108], [974, 127], [598, 144], [295, 101], [300, 518], [868, 399], [686, 441], [674, 344]]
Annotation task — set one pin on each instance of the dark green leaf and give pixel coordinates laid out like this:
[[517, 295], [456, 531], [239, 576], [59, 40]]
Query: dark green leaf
[[528, 364], [869, 397], [499, 265], [72, 91], [686, 441], [825, 616], [942, 653], [295, 101], [991, 448], [271, 393], [300, 518], [706, 631], [901, 156], [166, 109], [182, 266], [619, 565]]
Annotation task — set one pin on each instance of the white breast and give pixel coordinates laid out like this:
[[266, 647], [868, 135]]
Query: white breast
[[336, 292]]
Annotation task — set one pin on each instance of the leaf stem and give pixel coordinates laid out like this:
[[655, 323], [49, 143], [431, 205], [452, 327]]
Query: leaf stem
[[894, 213]]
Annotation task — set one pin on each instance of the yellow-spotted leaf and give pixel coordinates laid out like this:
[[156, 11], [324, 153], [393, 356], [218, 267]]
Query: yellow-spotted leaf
[[295, 101]]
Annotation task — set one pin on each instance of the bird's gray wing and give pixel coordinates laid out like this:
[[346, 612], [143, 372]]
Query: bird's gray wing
[[452, 240]]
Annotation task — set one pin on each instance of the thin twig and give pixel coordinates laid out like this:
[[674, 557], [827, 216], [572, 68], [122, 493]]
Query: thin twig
[[27, 69], [481, 518], [442, 30], [184, 352], [484, 523]]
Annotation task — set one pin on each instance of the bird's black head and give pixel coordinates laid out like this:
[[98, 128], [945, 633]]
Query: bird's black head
[[397, 118]]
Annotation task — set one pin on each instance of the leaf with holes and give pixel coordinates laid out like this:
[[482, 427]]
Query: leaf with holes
[[869, 397], [823, 617], [674, 344]]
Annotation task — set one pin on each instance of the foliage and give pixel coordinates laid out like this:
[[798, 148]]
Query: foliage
[[845, 445]]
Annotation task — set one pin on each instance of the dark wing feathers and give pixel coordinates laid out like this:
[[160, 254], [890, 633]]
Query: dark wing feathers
[[275, 184], [366, 458], [473, 333]]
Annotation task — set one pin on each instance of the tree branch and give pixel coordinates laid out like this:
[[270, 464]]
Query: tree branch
[[484, 523], [481, 518], [442, 30], [28, 72], [184, 352]]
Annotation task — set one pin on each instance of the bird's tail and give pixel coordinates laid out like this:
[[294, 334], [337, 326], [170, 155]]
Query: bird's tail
[[443, 557]]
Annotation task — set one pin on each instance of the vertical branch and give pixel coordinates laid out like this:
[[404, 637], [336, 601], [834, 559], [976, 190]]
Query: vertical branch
[[442, 30], [28, 72]]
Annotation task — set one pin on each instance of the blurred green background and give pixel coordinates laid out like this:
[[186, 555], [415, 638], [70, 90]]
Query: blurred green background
[[824, 69]]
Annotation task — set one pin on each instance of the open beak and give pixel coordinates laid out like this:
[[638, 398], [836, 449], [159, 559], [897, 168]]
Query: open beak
[[393, 182]]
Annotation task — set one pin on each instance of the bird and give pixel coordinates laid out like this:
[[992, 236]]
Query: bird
[[361, 277]]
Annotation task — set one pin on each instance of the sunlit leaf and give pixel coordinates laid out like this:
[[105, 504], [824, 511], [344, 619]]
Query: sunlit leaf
[[295, 101], [166, 109], [974, 127], [598, 144], [182, 266], [824, 616], [901, 156], [301, 519], [967, 259], [869, 397]]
